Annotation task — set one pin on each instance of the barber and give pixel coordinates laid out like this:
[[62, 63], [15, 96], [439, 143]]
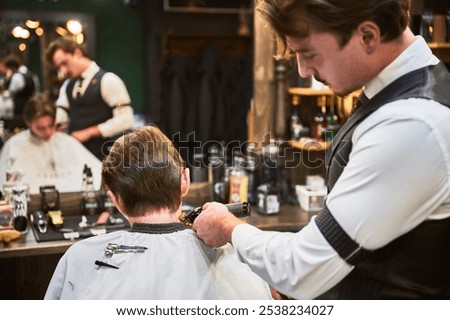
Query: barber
[[384, 230]]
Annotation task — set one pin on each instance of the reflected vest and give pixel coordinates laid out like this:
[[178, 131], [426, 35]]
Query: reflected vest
[[21, 97], [417, 264], [88, 110]]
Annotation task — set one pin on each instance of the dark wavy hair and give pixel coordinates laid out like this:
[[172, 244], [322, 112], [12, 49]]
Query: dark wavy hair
[[297, 18], [66, 44]]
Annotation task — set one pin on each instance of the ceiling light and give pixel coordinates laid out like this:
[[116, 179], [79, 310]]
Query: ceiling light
[[74, 26], [39, 31], [32, 24], [61, 31]]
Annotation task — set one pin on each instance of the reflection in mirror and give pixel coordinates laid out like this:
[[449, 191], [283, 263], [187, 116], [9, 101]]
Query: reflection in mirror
[[27, 34]]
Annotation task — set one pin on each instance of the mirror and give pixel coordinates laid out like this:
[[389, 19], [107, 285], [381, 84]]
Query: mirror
[[28, 34]]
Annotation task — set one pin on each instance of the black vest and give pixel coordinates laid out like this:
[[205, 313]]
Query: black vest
[[89, 110], [21, 97], [417, 264]]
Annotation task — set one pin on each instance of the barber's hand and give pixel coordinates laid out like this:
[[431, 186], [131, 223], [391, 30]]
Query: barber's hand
[[215, 224], [86, 134], [61, 127]]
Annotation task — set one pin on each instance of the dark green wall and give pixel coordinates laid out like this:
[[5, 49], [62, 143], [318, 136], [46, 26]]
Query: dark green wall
[[119, 46]]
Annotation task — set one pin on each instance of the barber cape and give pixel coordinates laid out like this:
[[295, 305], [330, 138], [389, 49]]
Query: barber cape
[[175, 265], [58, 161]]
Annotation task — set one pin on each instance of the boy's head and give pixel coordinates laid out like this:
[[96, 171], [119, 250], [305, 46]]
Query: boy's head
[[39, 114], [145, 173]]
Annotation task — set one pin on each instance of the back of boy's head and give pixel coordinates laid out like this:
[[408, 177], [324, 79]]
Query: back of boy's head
[[144, 169]]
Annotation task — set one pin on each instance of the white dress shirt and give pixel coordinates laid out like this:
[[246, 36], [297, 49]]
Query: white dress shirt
[[398, 176], [17, 84]]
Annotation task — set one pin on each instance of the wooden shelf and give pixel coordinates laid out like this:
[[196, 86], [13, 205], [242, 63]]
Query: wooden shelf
[[441, 50], [345, 104], [309, 144], [439, 45], [319, 92], [310, 91]]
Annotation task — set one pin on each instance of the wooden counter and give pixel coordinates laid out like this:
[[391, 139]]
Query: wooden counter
[[290, 218], [28, 246]]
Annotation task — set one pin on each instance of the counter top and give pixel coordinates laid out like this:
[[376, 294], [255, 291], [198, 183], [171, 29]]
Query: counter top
[[290, 218], [27, 245]]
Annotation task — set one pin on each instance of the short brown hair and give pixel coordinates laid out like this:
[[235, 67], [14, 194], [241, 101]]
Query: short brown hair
[[144, 169], [39, 105], [13, 62], [297, 18], [66, 44]]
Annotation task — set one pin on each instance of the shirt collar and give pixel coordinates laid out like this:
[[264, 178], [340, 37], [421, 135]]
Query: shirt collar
[[416, 56], [90, 71], [158, 228]]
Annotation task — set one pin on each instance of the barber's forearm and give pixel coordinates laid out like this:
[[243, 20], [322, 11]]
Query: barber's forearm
[[121, 121], [86, 134]]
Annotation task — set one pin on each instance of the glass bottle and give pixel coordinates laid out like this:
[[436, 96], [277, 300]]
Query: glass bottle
[[222, 187], [238, 182], [295, 123], [318, 125], [427, 25], [84, 176], [10, 178], [332, 119], [106, 204], [215, 170], [268, 199], [19, 197], [90, 201]]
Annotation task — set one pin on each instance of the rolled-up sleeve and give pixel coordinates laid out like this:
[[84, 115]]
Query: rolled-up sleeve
[[115, 94]]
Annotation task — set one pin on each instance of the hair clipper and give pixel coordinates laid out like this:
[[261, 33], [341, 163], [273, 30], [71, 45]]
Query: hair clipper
[[239, 209]]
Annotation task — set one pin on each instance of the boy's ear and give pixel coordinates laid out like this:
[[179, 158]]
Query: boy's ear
[[185, 181], [117, 201]]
